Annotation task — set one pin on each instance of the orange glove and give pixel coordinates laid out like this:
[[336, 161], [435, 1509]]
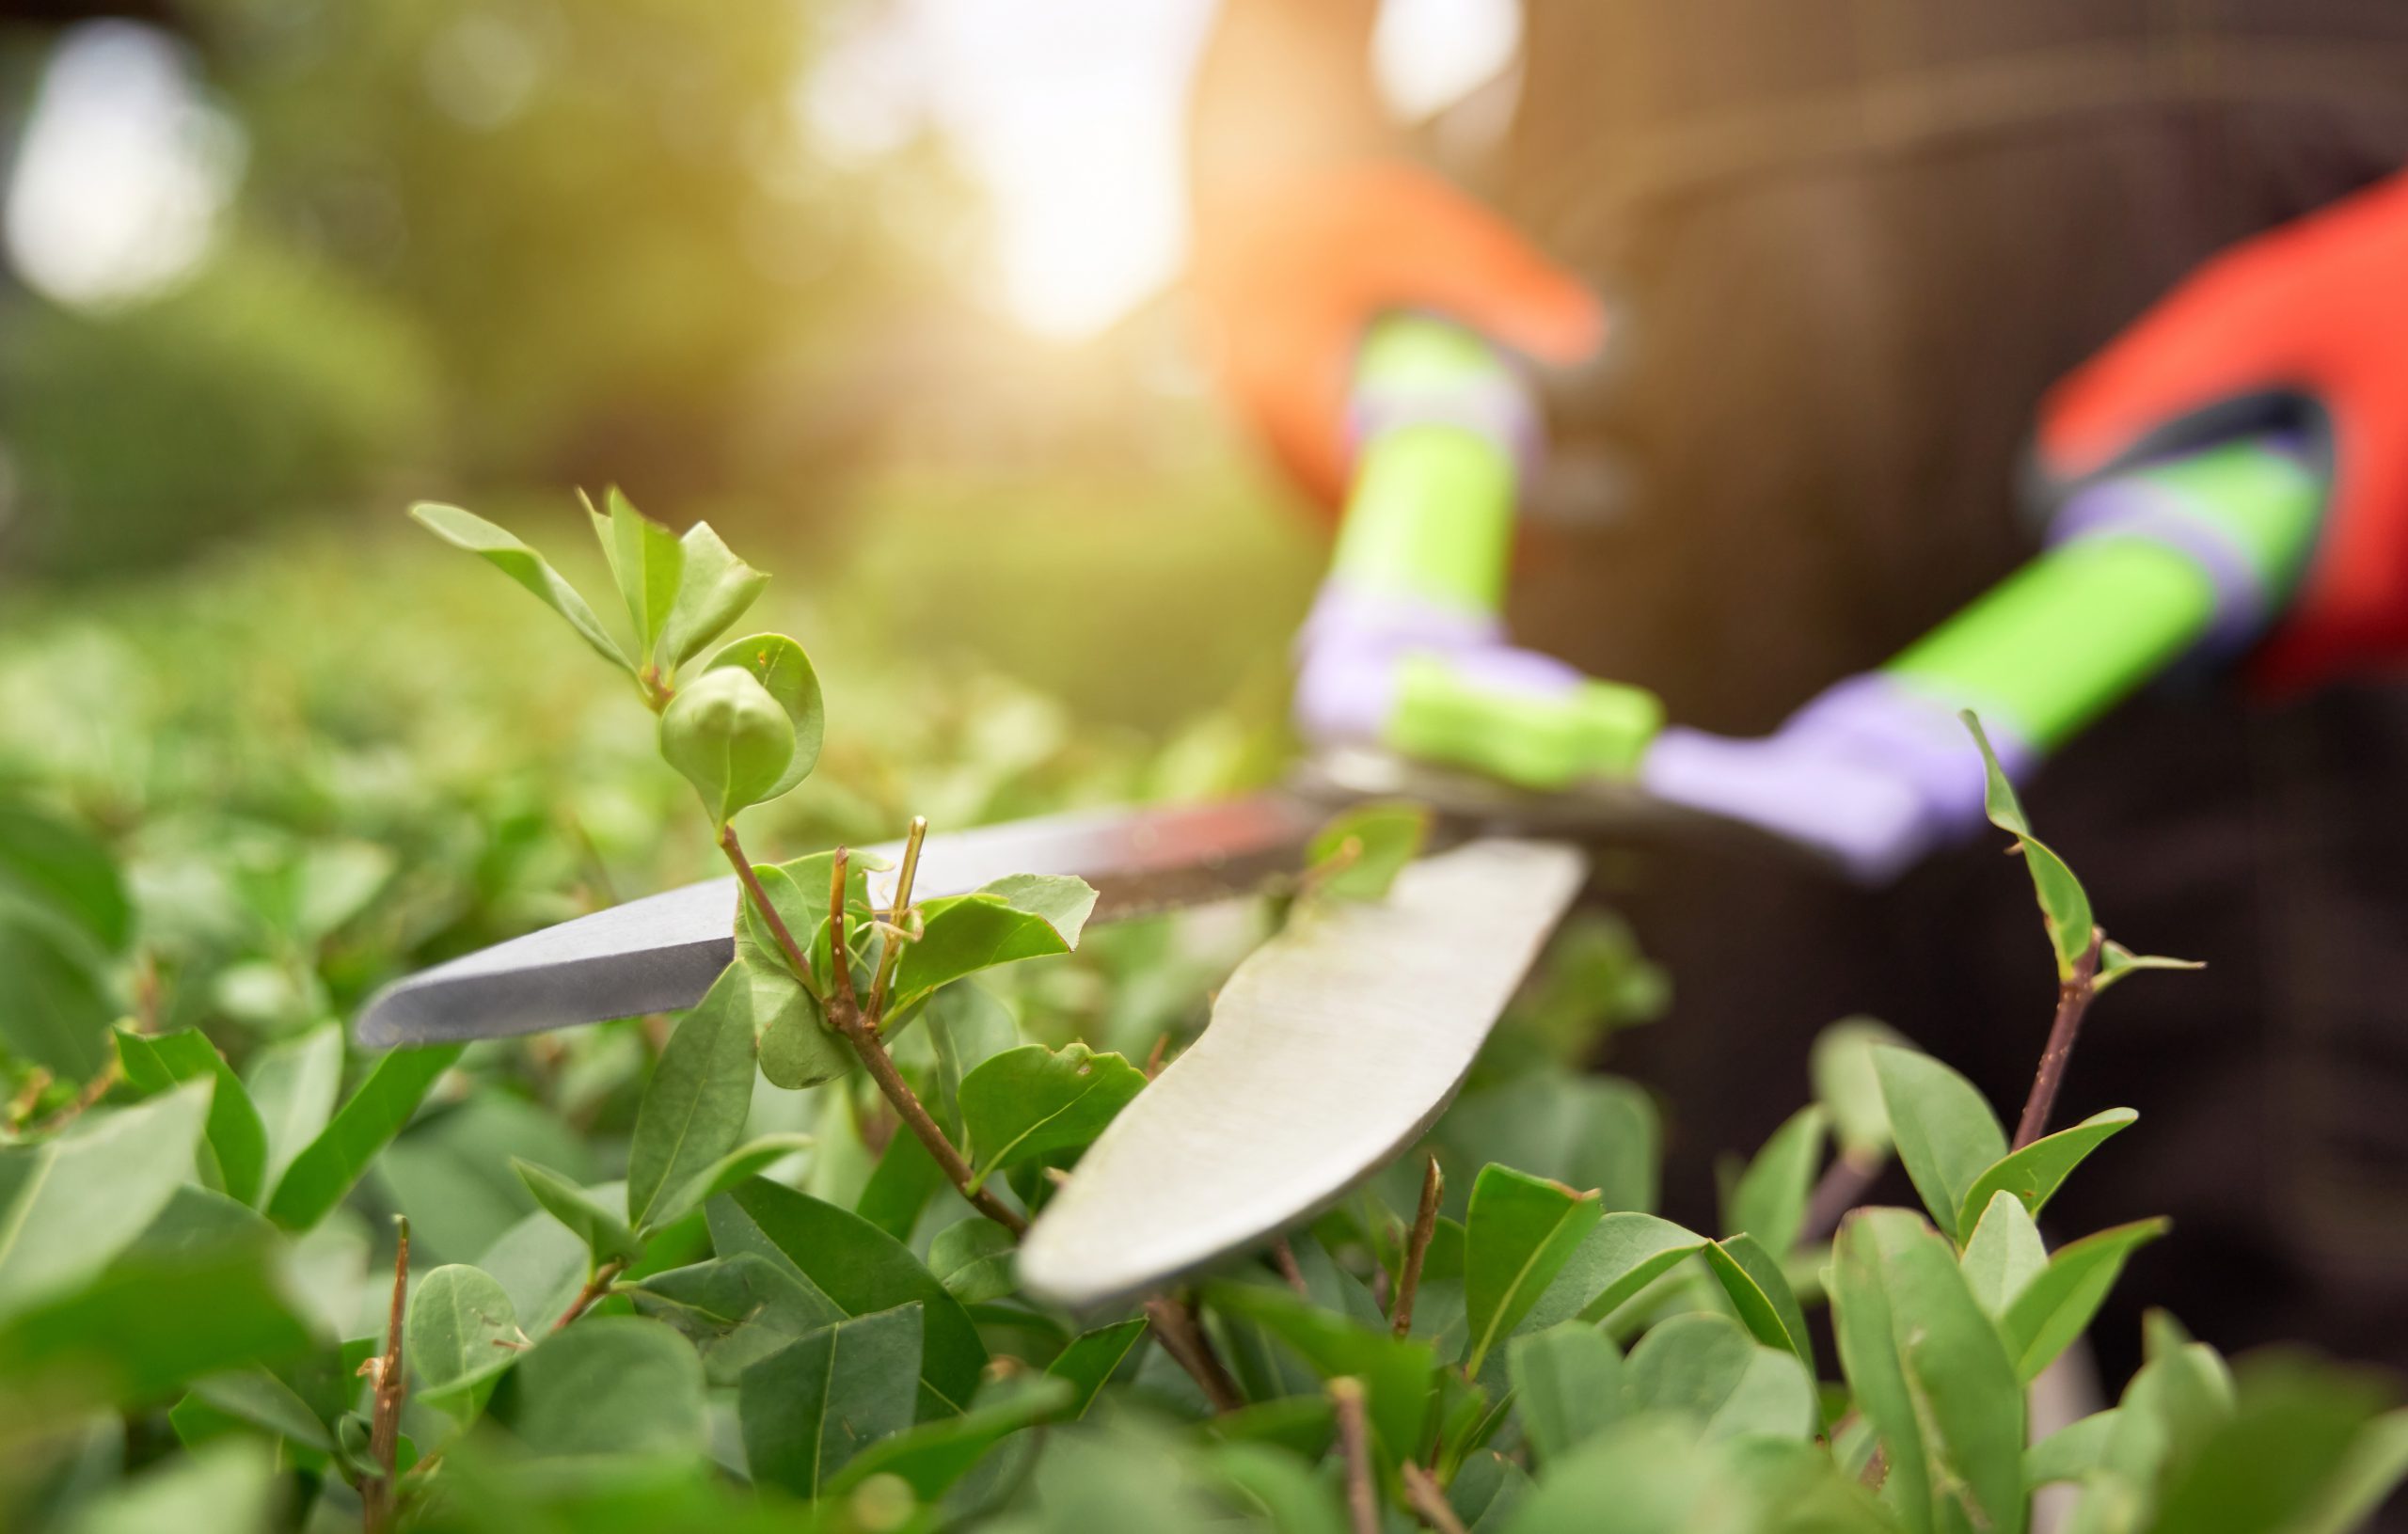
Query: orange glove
[[2305, 326], [1290, 274]]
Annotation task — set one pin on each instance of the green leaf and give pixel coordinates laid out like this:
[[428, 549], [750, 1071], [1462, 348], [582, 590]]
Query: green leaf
[[1708, 1366], [2074, 1451], [646, 560], [1849, 1087], [256, 1395], [932, 1456], [2115, 961], [609, 1385], [2004, 1253], [1769, 1201], [730, 740], [2065, 908], [862, 1269], [735, 1310], [1767, 1304], [1625, 1252], [1645, 1475], [1584, 1132], [1288, 1495], [223, 1488], [68, 1205], [55, 1004], [973, 1260], [2286, 1457], [1928, 1369], [966, 1028], [1017, 917], [1033, 1103], [1360, 851], [798, 1049], [2373, 1468], [746, 1161], [466, 530], [785, 674], [128, 1335], [899, 1187], [606, 1235], [294, 1086], [812, 1406], [1520, 1232], [1090, 1360], [1944, 1130], [236, 1138], [54, 864], [324, 1170], [799, 890], [715, 592], [2055, 1307], [1567, 1386], [1396, 1374], [463, 1334], [2034, 1173], [693, 1109]]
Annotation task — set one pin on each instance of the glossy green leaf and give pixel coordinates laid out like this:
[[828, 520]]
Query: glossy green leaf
[[862, 1269], [1761, 1295], [735, 1310], [604, 1231], [812, 1406], [1360, 851], [609, 1385], [325, 1169], [729, 739], [2065, 908], [1519, 1233], [1708, 1367], [58, 867], [973, 1260], [1769, 1201], [2034, 1173], [716, 590], [2004, 1253], [463, 1333], [70, 1204], [294, 1084], [786, 675], [1396, 1374], [1032, 1102], [1567, 1386], [1624, 1254], [647, 562], [1022, 916], [1848, 1086], [694, 1107], [235, 1137], [1090, 1360], [1944, 1131], [748, 1161], [933, 1456], [466, 530], [1927, 1367], [2055, 1307]]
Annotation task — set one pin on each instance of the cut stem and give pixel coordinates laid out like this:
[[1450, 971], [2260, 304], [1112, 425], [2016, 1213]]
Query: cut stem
[[844, 1011], [2073, 999], [1417, 1247], [1176, 1328], [892, 952], [1422, 1490], [381, 1495], [1354, 1438]]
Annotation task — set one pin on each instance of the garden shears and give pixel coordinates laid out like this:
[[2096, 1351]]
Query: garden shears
[[1332, 1048]]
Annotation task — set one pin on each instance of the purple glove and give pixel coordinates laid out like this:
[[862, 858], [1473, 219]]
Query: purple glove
[[1869, 772], [1351, 655]]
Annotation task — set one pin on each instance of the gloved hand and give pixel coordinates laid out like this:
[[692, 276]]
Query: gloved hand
[[1291, 274], [2305, 326]]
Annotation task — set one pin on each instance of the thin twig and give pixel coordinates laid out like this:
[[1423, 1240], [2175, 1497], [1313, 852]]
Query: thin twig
[[1154, 1055], [1417, 1247], [2073, 1000], [1422, 1490], [1175, 1327], [1354, 1437], [595, 1287], [844, 1010], [389, 1384], [1842, 1186], [893, 950], [94, 1090], [1284, 1257]]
